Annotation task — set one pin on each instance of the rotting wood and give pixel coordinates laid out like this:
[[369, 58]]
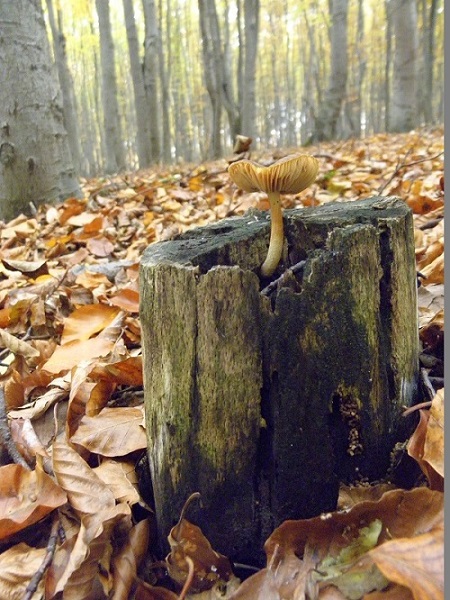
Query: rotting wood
[[265, 402]]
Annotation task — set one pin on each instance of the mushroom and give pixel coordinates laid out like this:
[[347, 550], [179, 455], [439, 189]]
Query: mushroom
[[289, 175]]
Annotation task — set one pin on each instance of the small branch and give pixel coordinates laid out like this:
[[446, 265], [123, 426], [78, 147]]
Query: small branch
[[51, 547], [431, 392], [403, 165], [273, 285], [6, 439]]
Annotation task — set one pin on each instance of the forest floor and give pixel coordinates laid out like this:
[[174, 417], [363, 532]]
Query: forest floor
[[71, 402]]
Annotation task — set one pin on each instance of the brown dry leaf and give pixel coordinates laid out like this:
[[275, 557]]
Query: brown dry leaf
[[125, 372], [100, 247], [58, 390], [17, 346], [417, 565], [113, 432], [126, 299], [187, 541], [351, 495], [402, 514], [90, 555], [26, 497], [68, 356], [434, 272], [416, 444], [32, 268], [17, 566], [86, 492], [26, 440], [433, 451], [121, 478], [145, 591], [86, 321], [126, 563]]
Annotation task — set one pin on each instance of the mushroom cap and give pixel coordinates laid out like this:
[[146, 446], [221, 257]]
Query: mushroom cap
[[289, 175]]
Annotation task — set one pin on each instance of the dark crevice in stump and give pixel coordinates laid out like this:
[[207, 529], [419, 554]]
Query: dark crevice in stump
[[264, 395]]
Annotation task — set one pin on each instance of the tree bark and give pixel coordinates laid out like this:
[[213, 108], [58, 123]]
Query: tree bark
[[114, 148], [35, 161], [251, 28], [143, 115], [66, 83], [404, 100], [264, 402], [328, 114], [151, 74]]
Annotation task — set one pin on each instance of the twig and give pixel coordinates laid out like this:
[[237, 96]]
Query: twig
[[6, 439], [189, 580], [416, 407], [403, 165], [51, 547], [273, 285], [431, 392]]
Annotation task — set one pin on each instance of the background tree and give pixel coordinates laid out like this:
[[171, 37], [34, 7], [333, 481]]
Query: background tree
[[328, 113], [403, 107], [35, 161], [248, 82], [66, 83], [114, 147], [143, 116], [152, 40]]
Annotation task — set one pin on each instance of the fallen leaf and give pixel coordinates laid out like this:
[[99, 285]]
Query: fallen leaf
[[26, 497], [113, 432]]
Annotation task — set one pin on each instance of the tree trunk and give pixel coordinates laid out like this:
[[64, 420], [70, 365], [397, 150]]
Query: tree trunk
[[143, 115], [164, 77], [264, 401], [251, 28], [404, 100], [328, 114], [114, 147], [151, 74], [428, 61], [212, 69], [35, 161], [66, 83]]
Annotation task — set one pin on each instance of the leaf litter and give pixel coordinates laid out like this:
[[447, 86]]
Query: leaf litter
[[71, 410]]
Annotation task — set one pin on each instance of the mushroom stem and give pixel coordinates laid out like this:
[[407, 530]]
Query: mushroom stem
[[276, 235]]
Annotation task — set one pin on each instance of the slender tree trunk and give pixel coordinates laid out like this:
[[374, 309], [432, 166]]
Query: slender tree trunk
[[143, 144], [212, 69], [428, 61], [251, 24], [151, 74], [35, 161], [164, 77], [328, 115], [403, 107], [66, 83], [115, 152]]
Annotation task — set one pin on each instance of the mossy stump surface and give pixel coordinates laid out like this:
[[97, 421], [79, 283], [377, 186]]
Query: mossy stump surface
[[264, 402]]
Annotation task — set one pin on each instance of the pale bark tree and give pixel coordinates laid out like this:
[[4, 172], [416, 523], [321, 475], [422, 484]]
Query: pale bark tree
[[429, 30], [212, 69], [66, 83], [329, 110], [251, 29], [164, 77], [404, 101], [218, 83], [151, 73], [114, 147], [143, 116], [35, 161]]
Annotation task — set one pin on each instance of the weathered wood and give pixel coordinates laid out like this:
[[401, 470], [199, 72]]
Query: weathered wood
[[264, 404]]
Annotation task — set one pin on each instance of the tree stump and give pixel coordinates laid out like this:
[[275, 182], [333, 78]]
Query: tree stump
[[263, 401]]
